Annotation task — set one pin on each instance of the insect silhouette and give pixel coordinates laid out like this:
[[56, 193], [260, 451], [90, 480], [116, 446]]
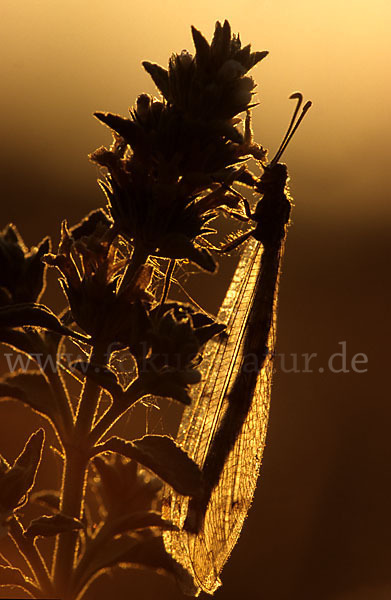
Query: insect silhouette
[[225, 428]]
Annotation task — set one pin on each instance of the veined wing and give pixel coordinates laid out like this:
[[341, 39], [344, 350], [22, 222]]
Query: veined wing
[[204, 554]]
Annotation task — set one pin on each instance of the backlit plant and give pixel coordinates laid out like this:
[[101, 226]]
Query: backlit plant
[[170, 171]]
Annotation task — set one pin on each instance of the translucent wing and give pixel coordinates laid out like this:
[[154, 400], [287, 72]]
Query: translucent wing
[[204, 554]]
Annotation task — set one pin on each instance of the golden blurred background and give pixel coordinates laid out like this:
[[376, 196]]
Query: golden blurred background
[[320, 524]]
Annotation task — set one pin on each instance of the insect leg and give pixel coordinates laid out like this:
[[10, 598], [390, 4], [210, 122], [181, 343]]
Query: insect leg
[[236, 242]]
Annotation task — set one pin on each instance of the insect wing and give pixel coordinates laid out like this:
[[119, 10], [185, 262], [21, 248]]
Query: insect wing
[[204, 554]]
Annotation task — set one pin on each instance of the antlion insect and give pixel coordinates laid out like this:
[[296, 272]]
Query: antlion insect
[[225, 428]]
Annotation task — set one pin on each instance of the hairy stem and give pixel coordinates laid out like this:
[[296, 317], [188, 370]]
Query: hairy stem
[[117, 409], [83, 571], [77, 452], [139, 258], [61, 394]]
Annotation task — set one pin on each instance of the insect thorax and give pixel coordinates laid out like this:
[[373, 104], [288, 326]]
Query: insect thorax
[[273, 210]]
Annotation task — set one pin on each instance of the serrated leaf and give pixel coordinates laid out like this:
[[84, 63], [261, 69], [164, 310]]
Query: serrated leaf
[[123, 487], [205, 333], [31, 388], [4, 465], [102, 375], [48, 526], [124, 127], [20, 478], [255, 57], [166, 385], [151, 553], [30, 456], [161, 455], [35, 315], [11, 391], [141, 520], [48, 498], [18, 340], [88, 224], [159, 77], [110, 476], [179, 246], [10, 576], [202, 48], [225, 40], [104, 557], [146, 551]]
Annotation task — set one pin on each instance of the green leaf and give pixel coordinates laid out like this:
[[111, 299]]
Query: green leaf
[[19, 340], [126, 128], [179, 246], [205, 333], [107, 556], [35, 315], [16, 483], [48, 526], [221, 42], [30, 456], [134, 551], [88, 224], [167, 385], [11, 391], [123, 486], [12, 577], [141, 520], [4, 466], [161, 455], [159, 77], [31, 388], [48, 498], [101, 375], [202, 49], [150, 553], [114, 478], [255, 57]]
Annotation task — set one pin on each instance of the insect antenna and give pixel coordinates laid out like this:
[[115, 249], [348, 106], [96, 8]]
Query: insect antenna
[[293, 125]]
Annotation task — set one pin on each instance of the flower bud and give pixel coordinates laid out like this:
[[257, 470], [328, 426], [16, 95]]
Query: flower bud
[[143, 104], [22, 273], [231, 69]]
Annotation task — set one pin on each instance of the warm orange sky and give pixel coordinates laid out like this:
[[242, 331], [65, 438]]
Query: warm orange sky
[[63, 60], [320, 526]]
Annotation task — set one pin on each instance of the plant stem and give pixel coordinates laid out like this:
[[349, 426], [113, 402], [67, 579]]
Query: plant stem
[[89, 399], [75, 476], [61, 395], [139, 258], [55, 379], [95, 545], [78, 451], [134, 392], [72, 501]]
